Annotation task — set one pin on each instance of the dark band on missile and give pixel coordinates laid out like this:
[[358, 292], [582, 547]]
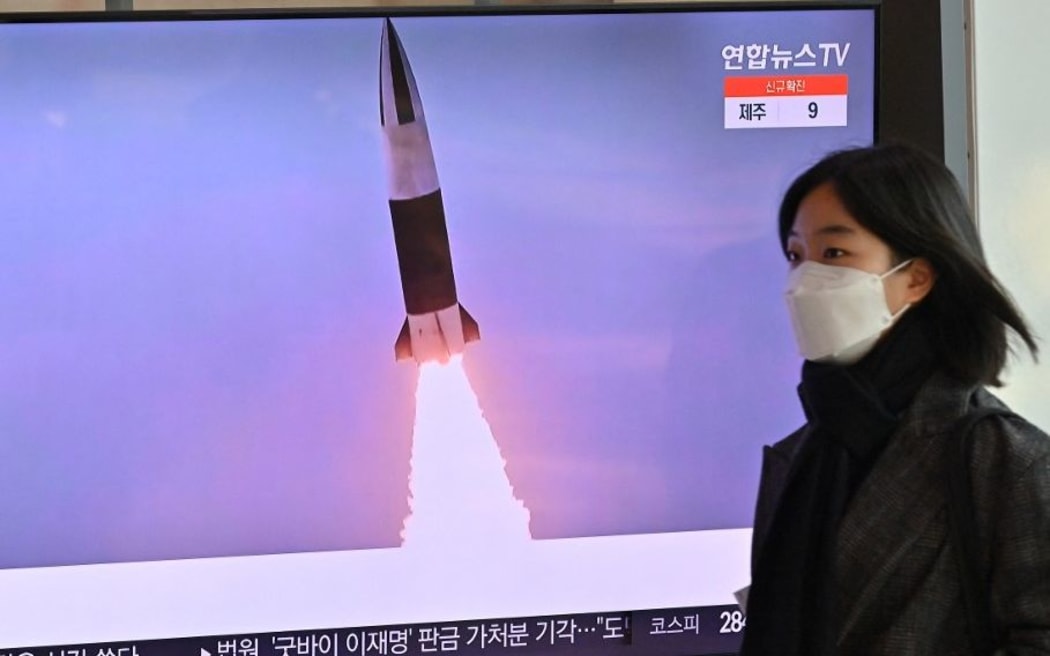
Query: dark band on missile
[[423, 253], [402, 94], [382, 119]]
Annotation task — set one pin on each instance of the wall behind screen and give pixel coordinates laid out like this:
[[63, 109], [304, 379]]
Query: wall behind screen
[[1013, 174]]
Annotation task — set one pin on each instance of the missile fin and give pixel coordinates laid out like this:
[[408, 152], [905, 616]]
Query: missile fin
[[403, 345], [444, 357], [471, 332]]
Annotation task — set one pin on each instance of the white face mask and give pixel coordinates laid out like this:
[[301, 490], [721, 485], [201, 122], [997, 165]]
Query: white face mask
[[838, 312]]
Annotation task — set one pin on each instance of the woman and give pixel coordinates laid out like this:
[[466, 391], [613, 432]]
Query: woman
[[902, 326]]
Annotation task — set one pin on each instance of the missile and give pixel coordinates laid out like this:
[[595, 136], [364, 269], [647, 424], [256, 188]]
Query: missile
[[437, 326]]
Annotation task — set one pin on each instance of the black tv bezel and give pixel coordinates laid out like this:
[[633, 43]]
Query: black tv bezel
[[374, 11]]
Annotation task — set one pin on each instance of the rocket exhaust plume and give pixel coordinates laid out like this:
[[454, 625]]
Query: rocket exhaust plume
[[460, 493], [437, 326]]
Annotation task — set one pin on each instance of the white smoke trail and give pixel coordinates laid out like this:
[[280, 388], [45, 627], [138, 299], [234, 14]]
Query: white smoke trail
[[459, 491]]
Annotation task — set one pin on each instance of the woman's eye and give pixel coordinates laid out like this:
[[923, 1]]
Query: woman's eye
[[791, 256], [832, 253]]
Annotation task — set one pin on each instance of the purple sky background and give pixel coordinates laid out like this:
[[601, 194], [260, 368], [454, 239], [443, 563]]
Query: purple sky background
[[199, 292]]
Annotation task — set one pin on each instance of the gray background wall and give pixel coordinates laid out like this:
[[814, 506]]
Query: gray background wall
[[1012, 153]]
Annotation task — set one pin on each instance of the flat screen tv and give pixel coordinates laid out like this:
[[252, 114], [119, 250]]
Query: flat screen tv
[[400, 332]]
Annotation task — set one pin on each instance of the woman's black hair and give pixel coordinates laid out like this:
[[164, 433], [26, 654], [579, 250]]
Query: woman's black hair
[[912, 202]]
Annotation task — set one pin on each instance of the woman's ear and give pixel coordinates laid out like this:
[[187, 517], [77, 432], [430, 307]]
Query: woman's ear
[[921, 276]]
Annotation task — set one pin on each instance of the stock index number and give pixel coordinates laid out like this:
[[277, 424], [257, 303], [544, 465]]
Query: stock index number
[[732, 621]]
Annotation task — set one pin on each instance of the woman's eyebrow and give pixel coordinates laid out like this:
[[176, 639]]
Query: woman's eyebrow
[[834, 229]]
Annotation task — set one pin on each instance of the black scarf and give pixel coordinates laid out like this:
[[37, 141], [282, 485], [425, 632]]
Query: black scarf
[[851, 412]]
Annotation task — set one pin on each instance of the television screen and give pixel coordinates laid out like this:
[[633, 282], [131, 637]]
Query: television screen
[[399, 333]]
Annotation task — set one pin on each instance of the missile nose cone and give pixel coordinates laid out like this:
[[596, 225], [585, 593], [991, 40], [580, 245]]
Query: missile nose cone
[[399, 102]]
